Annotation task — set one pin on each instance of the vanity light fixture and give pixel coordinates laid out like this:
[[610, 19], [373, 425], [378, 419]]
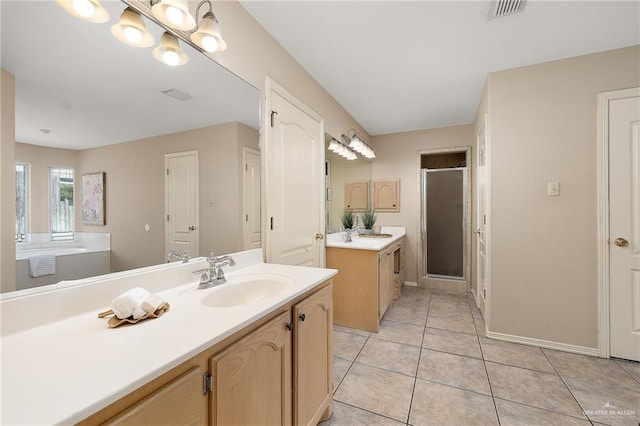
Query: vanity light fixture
[[169, 52], [132, 30], [88, 10], [359, 145], [342, 150], [174, 14], [208, 35]]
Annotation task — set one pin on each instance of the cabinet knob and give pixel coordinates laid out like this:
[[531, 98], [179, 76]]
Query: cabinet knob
[[289, 326], [302, 317]]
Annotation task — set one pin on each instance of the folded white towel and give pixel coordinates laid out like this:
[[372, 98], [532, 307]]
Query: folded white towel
[[44, 264], [130, 303], [151, 303]]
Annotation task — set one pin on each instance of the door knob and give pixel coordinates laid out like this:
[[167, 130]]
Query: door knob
[[477, 232], [192, 228], [319, 236], [621, 242]]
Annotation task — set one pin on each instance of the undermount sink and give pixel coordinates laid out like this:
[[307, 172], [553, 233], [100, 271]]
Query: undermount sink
[[245, 289]]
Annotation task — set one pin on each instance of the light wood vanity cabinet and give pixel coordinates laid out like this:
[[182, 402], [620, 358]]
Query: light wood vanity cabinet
[[276, 371], [356, 195], [252, 377], [364, 287], [386, 195], [160, 406], [313, 358]]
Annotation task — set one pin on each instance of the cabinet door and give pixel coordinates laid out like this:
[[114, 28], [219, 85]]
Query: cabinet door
[[356, 195], [385, 272], [313, 360], [179, 402], [386, 195], [252, 377]]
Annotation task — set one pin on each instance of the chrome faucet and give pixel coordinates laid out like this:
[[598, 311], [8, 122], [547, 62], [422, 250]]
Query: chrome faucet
[[214, 274], [174, 254]]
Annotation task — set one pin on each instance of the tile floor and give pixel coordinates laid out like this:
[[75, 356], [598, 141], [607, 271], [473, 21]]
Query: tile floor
[[430, 364]]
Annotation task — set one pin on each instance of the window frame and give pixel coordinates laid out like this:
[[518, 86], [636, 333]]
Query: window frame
[[66, 235]]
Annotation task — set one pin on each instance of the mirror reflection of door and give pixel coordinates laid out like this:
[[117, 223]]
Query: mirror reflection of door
[[251, 180], [181, 205]]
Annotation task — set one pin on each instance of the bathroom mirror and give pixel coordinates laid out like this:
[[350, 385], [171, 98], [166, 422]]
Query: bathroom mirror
[[87, 100], [338, 172]]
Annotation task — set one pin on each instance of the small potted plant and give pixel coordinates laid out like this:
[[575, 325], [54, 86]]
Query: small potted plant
[[368, 220], [347, 224]]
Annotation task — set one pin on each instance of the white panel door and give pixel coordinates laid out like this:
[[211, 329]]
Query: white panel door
[[624, 227], [181, 202], [251, 199], [295, 184], [481, 227]]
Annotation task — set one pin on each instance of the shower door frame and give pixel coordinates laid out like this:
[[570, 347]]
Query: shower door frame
[[449, 283]]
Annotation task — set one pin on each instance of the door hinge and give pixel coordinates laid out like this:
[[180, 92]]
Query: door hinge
[[167, 172], [207, 383], [272, 114], [167, 218], [271, 221], [246, 218], [246, 167], [484, 219]]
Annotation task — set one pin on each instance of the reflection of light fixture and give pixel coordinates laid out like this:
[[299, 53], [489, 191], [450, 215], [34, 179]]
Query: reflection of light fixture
[[208, 35], [169, 52], [173, 13], [359, 145], [342, 150], [89, 10], [131, 29]]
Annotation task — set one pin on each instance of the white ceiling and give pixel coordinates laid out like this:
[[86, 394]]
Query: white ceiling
[[89, 89], [409, 65]]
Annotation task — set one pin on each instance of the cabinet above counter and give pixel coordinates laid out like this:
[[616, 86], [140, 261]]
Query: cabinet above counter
[[367, 243]]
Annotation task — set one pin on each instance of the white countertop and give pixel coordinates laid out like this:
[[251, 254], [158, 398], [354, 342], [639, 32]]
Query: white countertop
[[64, 371], [366, 243]]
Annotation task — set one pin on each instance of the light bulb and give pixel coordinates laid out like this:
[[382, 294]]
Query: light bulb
[[84, 8], [170, 57], [174, 15], [210, 44], [132, 34]]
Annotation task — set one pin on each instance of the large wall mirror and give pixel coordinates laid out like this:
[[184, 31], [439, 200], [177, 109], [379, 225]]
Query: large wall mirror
[[339, 174], [85, 100]]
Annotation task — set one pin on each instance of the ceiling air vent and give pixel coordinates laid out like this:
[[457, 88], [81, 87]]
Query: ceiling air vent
[[176, 94], [502, 8]]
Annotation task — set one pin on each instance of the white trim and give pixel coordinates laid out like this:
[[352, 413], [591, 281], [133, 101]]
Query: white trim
[[603, 214], [547, 344]]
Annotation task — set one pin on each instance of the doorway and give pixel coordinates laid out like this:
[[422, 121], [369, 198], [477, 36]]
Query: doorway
[[445, 219], [181, 203], [619, 223]]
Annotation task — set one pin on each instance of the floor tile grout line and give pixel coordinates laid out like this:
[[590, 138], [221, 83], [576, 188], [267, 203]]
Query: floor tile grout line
[[368, 411], [353, 361], [486, 370], [615, 361], [543, 409], [415, 377], [567, 386]]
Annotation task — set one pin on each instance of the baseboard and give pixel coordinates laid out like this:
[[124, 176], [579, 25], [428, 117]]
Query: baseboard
[[548, 344]]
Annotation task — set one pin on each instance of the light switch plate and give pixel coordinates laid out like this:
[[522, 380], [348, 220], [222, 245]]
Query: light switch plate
[[553, 189]]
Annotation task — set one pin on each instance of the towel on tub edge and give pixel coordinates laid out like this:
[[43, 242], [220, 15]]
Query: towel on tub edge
[[44, 264]]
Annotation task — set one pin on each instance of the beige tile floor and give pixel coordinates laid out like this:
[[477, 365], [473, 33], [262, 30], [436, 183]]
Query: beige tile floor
[[430, 364]]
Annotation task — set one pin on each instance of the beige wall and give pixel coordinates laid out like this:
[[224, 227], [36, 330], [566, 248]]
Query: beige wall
[[397, 157], [254, 54], [543, 249], [40, 159], [7, 183], [134, 191]]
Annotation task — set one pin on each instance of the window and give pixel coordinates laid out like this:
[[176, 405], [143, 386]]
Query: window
[[61, 203], [22, 201]]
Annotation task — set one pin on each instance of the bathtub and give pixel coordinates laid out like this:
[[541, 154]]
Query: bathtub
[[71, 263]]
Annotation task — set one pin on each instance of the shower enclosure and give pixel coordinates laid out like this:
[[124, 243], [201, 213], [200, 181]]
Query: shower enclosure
[[443, 197]]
